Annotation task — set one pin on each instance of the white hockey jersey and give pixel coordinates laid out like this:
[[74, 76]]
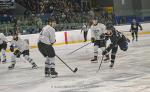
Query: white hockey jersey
[[20, 44], [97, 30], [84, 28], [2, 38], [47, 35]]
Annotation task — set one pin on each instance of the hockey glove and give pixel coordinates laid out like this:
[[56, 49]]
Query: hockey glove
[[92, 40], [102, 36], [128, 40], [12, 48], [17, 53], [104, 52]]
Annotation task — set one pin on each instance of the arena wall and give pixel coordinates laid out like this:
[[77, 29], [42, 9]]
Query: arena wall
[[75, 36]]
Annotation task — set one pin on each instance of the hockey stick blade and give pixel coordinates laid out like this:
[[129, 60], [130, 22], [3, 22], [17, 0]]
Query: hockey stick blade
[[100, 63], [75, 70]]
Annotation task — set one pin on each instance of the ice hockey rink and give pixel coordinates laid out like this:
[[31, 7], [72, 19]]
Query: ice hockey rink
[[131, 72]]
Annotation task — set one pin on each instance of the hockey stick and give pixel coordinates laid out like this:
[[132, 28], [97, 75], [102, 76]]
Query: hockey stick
[[125, 31], [100, 63], [74, 71], [78, 48]]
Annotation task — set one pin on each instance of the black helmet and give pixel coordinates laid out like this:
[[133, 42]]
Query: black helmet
[[109, 26], [15, 36]]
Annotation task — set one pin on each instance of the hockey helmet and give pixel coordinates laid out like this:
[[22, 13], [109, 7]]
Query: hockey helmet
[[109, 26], [15, 36]]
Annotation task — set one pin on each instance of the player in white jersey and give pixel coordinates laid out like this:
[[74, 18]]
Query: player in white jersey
[[46, 40], [97, 29], [3, 46], [22, 48]]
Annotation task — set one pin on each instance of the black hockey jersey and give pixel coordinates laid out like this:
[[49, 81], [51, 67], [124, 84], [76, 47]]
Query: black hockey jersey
[[117, 38], [134, 26]]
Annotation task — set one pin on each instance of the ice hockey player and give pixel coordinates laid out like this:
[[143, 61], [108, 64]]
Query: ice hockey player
[[97, 29], [3, 46], [45, 46], [22, 48], [117, 39], [134, 29]]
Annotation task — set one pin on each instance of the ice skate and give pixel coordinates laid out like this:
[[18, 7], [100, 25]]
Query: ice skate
[[94, 60], [34, 66], [47, 72], [53, 73], [111, 65], [11, 66], [4, 61], [106, 59]]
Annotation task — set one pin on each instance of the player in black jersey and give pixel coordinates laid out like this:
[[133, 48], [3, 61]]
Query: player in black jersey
[[117, 40]]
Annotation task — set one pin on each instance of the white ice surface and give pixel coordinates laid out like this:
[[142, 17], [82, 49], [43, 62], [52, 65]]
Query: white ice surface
[[131, 72]]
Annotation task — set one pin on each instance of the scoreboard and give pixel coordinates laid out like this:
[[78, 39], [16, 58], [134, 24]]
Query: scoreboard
[[7, 4]]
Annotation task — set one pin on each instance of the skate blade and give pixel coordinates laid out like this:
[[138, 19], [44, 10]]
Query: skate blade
[[10, 68], [47, 76], [54, 76], [95, 62], [3, 62], [35, 67]]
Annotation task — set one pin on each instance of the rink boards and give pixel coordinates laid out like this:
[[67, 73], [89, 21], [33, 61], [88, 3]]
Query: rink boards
[[75, 36]]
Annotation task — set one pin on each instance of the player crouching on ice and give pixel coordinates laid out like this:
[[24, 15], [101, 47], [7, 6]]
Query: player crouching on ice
[[117, 39], [22, 48]]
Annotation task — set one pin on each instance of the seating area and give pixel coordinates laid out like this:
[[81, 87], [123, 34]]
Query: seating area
[[62, 10], [69, 14]]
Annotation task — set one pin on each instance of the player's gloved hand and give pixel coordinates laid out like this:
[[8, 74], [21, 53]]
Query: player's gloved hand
[[102, 36], [128, 40], [92, 40], [104, 52], [53, 42], [17, 53], [12, 48]]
